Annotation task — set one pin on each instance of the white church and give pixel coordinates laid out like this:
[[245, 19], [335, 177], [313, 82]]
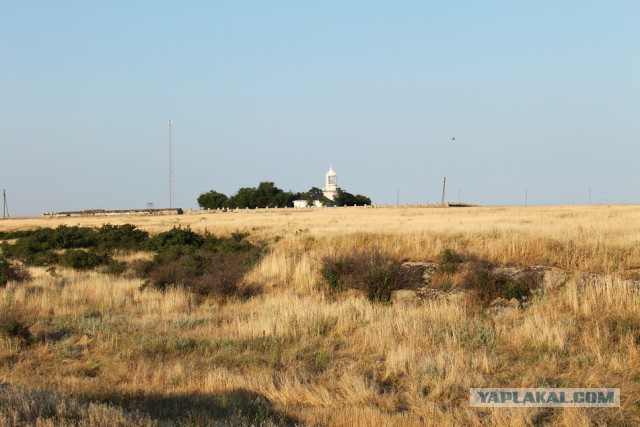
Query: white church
[[330, 190]]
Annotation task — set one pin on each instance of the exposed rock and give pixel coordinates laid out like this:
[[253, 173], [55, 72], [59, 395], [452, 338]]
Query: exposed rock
[[419, 272], [428, 293], [555, 277], [509, 272], [418, 283]]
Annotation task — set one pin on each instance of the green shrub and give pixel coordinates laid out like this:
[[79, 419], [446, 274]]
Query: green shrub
[[41, 246], [14, 323], [237, 242], [208, 266], [204, 273], [10, 271], [176, 237], [6, 235], [375, 274], [521, 287], [476, 334], [490, 284], [83, 260], [124, 237], [449, 261]]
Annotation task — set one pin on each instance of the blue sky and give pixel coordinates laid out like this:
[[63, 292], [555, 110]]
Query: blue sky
[[543, 96]]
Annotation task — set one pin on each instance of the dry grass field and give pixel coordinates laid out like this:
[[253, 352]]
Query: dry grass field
[[108, 353]]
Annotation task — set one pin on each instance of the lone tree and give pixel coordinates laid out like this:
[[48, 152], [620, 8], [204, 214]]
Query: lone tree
[[212, 200]]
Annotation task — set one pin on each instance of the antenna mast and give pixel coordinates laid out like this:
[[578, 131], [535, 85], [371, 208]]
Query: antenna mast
[[170, 122], [5, 206], [444, 185]]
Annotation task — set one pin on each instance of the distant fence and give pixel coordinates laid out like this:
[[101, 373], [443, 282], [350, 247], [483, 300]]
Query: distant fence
[[101, 212], [315, 208]]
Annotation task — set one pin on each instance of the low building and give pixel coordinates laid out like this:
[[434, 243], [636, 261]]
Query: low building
[[102, 212], [301, 204]]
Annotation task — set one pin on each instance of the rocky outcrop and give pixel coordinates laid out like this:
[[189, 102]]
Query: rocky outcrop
[[418, 283], [417, 273]]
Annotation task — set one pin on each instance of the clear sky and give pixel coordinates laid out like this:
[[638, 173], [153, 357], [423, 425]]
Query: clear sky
[[543, 96]]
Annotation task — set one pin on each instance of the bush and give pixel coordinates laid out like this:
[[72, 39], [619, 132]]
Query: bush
[[176, 237], [10, 271], [449, 261], [375, 274], [204, 273], [79, 259], [14, 324], [6, 235], [235, 243], [125, 237], [38, 247], [208, 266], [491, 284]]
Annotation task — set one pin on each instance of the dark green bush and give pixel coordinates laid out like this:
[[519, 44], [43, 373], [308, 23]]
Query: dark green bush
[[520, 287], [6, 235], [176, 237], [490, 283], [235, 243], [14, 323], [79, 259], [449, 261], [10, 271], [123, 237], [375, 274], [38, 247], [217, 274], [208, 266]]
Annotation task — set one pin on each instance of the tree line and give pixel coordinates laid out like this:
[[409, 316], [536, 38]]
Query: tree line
[[267, 195]]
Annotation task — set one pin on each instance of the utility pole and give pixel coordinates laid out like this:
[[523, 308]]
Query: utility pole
[[458, 196], [589, 195], [170, 122], [526, 196], [397, 197], [444, 186], [5, 206]]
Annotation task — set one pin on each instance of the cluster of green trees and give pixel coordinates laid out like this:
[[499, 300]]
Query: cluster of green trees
[[267, 195]]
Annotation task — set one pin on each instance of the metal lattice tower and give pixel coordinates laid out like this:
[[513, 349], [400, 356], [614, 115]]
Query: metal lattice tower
[[170, 122]]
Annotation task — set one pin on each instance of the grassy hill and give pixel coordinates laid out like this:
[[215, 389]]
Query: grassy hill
[[86, 347]]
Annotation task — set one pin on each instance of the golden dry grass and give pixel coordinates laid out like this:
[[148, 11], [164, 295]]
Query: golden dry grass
[[317, 359]]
